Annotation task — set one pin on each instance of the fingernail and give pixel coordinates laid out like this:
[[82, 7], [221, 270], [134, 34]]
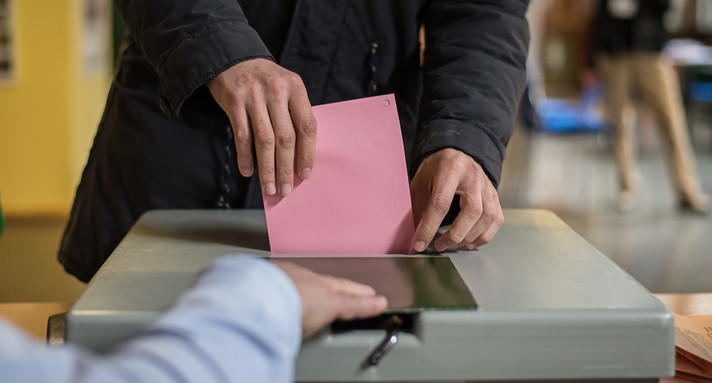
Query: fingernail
[[306, 172], [285, 189], [419, 246], [246, 172], [440, 248], [471, 246], [270, 189]]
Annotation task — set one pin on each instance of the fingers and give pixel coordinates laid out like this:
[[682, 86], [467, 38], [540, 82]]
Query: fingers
[[475, 226], [479, 219], [243, 141], [486, 236], [490, 222], [356, 307], [354, 300], [292, 132], [305, 126], [264, 145], [349, 287], [285, 139], [448, 173], [268, 106], [294, 128], [467, 222], [326, 298], [441, 197]]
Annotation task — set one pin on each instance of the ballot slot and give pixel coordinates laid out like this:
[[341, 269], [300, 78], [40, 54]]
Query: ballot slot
[[402, 322], [393, 325]]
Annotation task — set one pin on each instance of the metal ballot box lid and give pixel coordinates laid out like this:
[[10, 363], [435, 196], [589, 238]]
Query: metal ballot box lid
[[550, 306]]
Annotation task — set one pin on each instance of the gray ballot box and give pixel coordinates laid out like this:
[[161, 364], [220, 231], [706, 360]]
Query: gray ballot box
[[550, 307]]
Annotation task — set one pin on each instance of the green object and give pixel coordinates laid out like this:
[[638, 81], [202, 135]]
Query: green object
[[118, 32]]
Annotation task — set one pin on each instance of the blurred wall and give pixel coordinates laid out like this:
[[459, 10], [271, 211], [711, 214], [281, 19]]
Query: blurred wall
[[566, 28], [50, 109]]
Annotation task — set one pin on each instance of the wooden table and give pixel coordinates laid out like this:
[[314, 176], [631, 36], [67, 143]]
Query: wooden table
[[32, 317], [688, 304]]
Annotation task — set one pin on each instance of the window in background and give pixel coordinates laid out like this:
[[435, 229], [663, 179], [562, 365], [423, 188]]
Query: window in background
[[7, 56], [703, 13], [96, 36]]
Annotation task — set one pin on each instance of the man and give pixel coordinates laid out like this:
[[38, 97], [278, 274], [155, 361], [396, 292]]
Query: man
[[628, 37], [203, 83], [239, 323]]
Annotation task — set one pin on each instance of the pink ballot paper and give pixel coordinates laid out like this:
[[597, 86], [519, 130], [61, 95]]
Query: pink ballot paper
[[357, 199]]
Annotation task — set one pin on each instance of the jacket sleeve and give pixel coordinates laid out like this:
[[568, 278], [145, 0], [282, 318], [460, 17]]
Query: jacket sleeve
[[239, 323], [474, 74], [188, 42]]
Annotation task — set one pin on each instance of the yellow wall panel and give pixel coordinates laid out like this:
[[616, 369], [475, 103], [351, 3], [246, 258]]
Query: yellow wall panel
[[48, 114]]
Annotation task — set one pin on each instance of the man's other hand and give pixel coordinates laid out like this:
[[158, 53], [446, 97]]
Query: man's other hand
[[326, 298], [439, 178], [268, 105]]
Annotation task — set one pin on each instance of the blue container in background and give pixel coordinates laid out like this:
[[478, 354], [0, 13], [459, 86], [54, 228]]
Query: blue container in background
[[559, 115]]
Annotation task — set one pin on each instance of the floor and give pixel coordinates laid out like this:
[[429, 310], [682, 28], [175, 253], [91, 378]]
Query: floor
[[571, 174]]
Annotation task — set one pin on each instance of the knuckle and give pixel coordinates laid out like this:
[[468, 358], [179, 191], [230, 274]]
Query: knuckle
[[452, 165], [264, 137], [276, 85], [242, 136], [286, 138], [307, 158], [490, 216], [307, 126], [238, 95], [471, 238], [440, 202], [484, 238], [295, 79], [243, 157], [472, 211], [252, 89], [274, 81], [266, 172], [285, 172], [342, 284], [426, 235], [427, 232], [457, 236]]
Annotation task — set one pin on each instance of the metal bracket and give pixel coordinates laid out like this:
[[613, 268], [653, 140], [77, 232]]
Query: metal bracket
[[387, 343]]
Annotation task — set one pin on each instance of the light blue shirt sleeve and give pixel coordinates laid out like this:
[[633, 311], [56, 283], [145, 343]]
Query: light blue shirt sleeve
[[239, 323]]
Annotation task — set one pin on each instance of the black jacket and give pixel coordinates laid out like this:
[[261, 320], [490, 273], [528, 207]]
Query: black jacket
[[163, 142], [643, 32]]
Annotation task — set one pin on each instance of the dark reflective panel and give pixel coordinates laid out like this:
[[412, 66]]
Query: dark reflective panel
[[410, 284]]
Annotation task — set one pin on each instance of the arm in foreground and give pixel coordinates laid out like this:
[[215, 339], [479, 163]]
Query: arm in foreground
[[240, 322]]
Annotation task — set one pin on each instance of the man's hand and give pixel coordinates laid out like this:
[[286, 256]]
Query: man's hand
[[439, 178], [269, 104], [326, 299]]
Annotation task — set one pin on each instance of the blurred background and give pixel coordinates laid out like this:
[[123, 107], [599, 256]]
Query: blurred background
[[56, 63]]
